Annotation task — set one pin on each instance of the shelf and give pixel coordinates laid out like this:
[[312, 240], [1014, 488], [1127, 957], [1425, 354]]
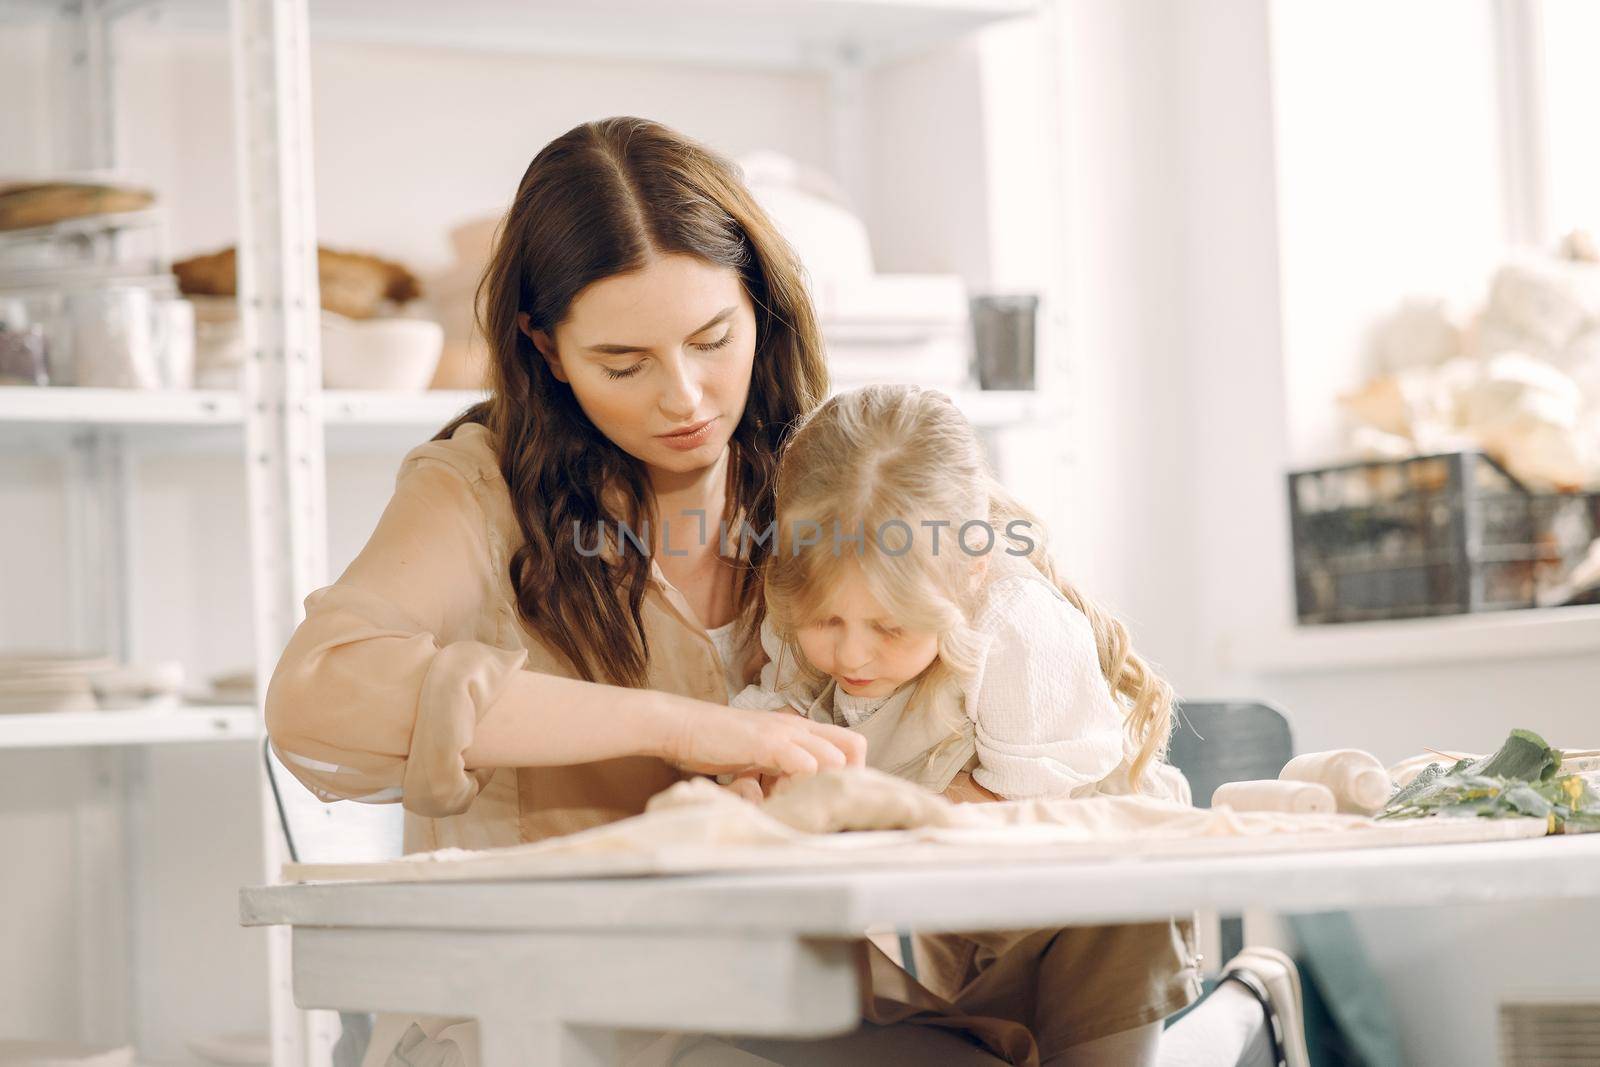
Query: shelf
[[183, 725], [1485, 637], [430, 409], [69, 405]]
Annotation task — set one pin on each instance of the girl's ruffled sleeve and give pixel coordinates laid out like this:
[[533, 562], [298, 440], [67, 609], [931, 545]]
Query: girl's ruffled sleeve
[[1046, 722], [780, 686], [380, 689]]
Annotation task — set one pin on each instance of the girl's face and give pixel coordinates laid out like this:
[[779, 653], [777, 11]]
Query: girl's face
[[853, 639], [659, 360]]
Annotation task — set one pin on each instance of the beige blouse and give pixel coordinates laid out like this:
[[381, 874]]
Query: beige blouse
[[381, 687]]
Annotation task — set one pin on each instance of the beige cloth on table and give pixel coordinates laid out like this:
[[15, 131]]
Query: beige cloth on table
[[808, 814]]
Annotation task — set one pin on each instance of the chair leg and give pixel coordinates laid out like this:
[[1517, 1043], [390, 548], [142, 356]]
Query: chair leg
[[1232, 937]]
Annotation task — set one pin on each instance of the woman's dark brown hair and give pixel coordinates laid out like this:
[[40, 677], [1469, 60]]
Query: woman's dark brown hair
[[604, 199]]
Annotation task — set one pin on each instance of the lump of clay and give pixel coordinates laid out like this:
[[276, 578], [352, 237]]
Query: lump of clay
[[856, 798], [691, 793]]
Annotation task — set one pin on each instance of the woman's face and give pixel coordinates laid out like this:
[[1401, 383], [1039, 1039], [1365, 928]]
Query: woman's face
[[659, 359], [854, 639]]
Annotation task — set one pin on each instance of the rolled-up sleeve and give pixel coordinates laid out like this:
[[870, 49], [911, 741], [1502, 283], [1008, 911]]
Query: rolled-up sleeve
[[380, 689], [1046, 722]]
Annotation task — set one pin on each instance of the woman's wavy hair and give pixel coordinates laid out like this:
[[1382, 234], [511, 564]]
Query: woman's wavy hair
[[604, 199], [868, 470]]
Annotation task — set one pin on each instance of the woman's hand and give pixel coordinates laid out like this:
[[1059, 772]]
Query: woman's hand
[[715, 739]]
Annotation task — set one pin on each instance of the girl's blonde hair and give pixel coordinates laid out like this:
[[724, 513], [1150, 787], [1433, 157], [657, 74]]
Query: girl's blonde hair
[[867, 480]]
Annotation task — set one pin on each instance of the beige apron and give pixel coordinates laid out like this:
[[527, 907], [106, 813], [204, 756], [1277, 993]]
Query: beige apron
[[929, 744]]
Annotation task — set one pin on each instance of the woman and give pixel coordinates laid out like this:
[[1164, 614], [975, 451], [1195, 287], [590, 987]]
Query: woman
[[545, 627], [644, 364]]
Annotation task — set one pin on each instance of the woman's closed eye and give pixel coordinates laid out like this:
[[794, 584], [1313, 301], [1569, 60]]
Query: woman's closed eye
[[712, 346], [626, 372]]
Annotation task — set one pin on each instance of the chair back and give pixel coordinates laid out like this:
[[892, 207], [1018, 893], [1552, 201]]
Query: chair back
[[1228, 741]]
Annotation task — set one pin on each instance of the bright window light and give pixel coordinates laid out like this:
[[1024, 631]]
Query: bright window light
[[1572, 95]]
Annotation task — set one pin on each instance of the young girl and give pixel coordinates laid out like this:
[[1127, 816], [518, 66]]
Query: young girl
[[911, 599]]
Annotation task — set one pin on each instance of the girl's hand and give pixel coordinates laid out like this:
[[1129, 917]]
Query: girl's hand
[[747, 786], [963, 790], [716, 739]]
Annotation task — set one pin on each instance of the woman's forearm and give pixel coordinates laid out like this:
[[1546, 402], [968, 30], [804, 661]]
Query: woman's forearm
[[544, 720], [541, 720]]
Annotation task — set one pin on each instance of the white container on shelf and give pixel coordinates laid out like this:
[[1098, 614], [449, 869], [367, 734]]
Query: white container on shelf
[[218, 342], [174, 327], [396, 355], [114, 337]]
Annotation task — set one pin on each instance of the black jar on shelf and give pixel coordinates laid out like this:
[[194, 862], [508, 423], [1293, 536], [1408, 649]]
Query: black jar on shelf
[[1003, 340]]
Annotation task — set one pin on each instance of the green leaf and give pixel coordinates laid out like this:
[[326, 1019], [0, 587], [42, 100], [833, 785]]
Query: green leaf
[[1524, 757], [1425, 778], [1526, 800]]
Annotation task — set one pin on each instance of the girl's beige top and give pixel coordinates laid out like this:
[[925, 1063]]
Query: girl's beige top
[[381, 687]]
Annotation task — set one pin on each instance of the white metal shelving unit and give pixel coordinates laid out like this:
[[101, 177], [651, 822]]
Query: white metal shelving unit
[[280, 421], [22, 406]]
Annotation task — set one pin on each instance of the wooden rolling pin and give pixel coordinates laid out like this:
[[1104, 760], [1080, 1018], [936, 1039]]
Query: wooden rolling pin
[[1358, 781]]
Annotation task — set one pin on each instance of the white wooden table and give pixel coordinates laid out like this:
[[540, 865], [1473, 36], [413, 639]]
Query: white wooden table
[[551, 968]]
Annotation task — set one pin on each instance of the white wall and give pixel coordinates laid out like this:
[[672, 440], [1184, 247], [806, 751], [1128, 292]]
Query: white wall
[[1388, 180], [1129, 503], [397, 127]]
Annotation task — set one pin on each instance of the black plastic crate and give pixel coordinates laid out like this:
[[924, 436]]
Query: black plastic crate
[[1565, 525], [1431, 535]]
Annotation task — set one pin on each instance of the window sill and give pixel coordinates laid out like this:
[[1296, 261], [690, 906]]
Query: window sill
[[1502, 635]]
